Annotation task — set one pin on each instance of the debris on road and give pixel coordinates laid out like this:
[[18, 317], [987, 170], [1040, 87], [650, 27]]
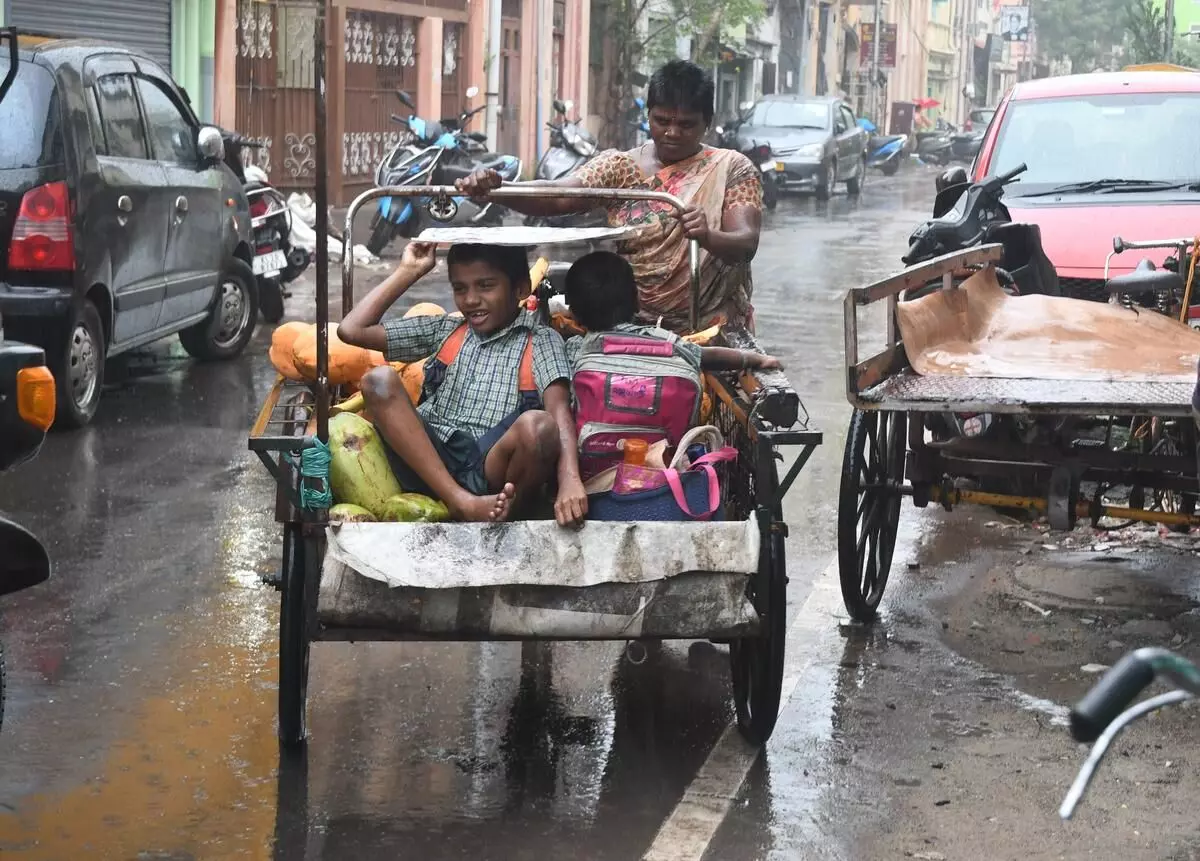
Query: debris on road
[[1035, 608]]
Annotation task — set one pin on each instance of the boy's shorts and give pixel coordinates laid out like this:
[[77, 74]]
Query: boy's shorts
[[463, 455]]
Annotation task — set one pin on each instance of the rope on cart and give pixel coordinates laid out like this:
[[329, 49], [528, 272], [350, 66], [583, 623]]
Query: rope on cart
[[314, 475], [1187, 291]]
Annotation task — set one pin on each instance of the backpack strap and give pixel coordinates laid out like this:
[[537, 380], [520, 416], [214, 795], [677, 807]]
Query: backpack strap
[[526, 382], [436, 367], [453, 345]]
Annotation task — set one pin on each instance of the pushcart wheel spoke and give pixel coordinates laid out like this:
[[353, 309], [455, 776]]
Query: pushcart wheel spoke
[[869, 508]]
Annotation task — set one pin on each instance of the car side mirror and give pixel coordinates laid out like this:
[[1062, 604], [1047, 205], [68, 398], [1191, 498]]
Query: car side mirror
[[210, 144], [24, 561]]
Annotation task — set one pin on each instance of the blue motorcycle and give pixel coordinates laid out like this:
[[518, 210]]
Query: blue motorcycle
[[884, 152], [437, 153]]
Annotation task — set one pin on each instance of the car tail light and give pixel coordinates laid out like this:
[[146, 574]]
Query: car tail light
[[35, 396], [41, 238], [259, 207]]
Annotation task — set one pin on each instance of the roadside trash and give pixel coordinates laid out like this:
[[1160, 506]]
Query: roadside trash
[[1094, 668], [304, 234], [1035, 608]]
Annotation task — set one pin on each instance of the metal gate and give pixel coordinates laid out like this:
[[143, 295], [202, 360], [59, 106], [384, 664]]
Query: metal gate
[[274, 88], [142, 25], [380, 58]]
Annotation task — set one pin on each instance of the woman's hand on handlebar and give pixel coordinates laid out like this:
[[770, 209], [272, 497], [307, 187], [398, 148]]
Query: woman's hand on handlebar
[[695, 224], [478, 184]]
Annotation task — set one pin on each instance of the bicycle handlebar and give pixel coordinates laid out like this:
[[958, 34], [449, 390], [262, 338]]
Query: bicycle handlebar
[[1110, 696], [1099, 714]]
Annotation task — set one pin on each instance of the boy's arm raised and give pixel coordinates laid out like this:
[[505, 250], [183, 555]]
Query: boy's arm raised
[[361, 326]]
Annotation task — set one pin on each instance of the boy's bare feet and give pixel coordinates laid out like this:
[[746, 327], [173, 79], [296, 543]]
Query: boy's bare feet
[[484, 509]]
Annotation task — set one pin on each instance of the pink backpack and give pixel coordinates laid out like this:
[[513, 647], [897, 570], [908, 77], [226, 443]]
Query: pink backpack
[[631, 386]]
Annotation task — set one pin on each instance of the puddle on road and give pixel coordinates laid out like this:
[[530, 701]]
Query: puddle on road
[[192, 773]]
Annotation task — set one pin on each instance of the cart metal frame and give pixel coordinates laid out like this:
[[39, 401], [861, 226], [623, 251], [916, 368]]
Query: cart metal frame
[[757, 412], [888, 456]]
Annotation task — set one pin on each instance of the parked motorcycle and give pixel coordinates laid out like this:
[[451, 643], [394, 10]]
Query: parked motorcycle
[[439, 154], [276, 260], [763, 158], [967, 214], [936, 146], [885, 153], [571, 147]]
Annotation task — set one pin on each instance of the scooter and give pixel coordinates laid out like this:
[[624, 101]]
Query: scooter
[[885, 153], [967, 214], [437, 155], [571, 147], [276, 260], [936, 145]]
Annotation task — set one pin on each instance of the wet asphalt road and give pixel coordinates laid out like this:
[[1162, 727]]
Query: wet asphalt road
[[141, 719]]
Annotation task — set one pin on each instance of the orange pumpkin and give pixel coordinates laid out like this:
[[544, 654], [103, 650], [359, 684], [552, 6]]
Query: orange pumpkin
[[283, 340], [413, 378], [425, 309], [347, 363]]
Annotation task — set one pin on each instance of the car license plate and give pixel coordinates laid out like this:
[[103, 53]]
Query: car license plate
[[771, 166], [270, 263]]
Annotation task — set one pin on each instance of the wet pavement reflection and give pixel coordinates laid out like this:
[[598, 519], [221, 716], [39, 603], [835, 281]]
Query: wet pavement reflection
[[142, 676]]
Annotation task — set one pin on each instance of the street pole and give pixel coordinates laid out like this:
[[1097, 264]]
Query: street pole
[[1169, 17], [876, 36]]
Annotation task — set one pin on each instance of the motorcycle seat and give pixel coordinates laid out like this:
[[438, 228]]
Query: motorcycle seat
[[1145, 279], [485, 161]]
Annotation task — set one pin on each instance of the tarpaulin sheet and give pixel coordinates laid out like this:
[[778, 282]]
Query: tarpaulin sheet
[[979, 330], [687, 606], [540, 552]]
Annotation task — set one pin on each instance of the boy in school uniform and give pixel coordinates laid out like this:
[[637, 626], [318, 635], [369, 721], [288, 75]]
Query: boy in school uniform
[[494, 423]]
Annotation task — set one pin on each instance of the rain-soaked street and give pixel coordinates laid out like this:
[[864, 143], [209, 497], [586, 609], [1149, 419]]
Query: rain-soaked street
[[142, 676]]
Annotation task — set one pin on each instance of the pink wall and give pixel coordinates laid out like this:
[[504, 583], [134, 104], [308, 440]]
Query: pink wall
[[429, 68], [475, 73], [224, 61]]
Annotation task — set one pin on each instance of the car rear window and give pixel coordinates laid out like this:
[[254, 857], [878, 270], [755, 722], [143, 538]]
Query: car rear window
[[31, 119]]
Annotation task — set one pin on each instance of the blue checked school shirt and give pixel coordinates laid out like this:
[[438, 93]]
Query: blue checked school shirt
[[480, 388]]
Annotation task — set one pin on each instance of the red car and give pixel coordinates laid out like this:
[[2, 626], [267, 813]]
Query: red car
[[1109, 154]]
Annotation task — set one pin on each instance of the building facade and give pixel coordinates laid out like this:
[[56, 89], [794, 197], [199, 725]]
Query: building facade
[[434, 50]]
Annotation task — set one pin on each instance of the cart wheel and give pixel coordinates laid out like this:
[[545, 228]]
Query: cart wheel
[[756, 663], [293, 639], [869, 507]]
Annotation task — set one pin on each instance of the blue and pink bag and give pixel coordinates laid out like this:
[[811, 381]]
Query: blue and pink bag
[[631, 386]]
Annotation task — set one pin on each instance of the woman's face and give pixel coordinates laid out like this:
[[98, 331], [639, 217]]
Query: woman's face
[[677, 134]]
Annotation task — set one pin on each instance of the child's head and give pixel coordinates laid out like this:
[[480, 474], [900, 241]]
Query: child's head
[[489, 281], [602, 291]]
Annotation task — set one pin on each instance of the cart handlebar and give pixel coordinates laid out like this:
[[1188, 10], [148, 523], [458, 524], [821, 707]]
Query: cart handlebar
[[1120, 246], [514, 192], [1104, 711]]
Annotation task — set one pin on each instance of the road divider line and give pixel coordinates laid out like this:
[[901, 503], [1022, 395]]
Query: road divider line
[[692, 825]]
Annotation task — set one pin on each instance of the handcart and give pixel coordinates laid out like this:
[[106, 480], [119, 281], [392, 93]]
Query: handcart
[[889, 453], [531, 580]]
